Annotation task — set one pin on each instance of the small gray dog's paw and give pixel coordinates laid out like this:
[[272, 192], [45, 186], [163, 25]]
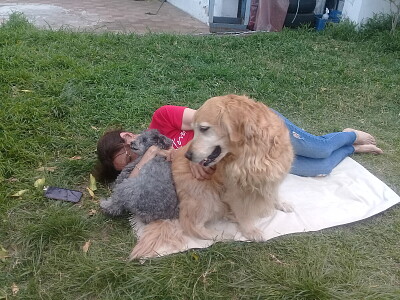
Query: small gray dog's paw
[[109, 207]]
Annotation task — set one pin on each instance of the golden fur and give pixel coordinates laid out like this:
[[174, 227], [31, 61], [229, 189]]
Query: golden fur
[[159, 236], [250, 146]]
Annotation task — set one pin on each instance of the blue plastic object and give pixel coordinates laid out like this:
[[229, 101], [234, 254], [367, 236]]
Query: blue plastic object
[[334, 17], [335, 14], [320, 23]]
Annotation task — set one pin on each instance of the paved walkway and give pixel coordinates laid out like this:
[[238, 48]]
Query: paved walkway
[[123, 16]]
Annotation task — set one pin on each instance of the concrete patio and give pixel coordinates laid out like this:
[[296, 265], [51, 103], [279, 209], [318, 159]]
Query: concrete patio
[[122, 16]]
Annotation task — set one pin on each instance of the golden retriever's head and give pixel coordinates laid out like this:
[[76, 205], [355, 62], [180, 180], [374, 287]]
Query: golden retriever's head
[[211, 141], [252, 137], [222, 124], [239, 126]]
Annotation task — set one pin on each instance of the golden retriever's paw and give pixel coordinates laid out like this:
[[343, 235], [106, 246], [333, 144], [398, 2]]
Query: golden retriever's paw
[[230, 217], [214, 235], [254, 234], [226, 236], [284, 206]]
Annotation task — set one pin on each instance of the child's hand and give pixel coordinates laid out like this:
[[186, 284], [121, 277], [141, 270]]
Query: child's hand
[[152, 152], [169, 154], [201, 173]]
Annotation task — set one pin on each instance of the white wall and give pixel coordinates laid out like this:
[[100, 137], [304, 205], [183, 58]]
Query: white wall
[[358, 11], [199, 8], [196, 8]]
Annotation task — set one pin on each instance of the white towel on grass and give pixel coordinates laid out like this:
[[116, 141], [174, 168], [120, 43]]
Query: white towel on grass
[[350, 193]]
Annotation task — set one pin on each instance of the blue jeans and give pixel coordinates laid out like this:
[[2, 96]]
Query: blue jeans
[[318, 155]]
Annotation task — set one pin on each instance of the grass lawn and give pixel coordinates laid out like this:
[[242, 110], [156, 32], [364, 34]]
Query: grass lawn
[[61, 90]]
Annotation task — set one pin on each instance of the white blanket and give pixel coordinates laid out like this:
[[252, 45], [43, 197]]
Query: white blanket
[[350, 193]]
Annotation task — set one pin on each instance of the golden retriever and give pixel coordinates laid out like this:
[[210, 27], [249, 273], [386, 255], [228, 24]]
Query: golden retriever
[[250, 146]]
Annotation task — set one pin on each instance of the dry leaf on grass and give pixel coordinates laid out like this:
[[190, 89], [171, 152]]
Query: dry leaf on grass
[[85, 247], [39, 183], [195, 256], [3, 254], [92, 212], [19, 193], [276, 259], [90, 192], [14, 289], [76, 157], [16, 90], [92, 183]]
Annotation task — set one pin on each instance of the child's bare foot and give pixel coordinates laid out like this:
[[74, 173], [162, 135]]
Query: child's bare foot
[[367, 149], [362, 138]]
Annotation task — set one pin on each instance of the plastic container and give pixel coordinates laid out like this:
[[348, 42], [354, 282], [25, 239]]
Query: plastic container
[[334, 17], [335, 14], [320, 23]]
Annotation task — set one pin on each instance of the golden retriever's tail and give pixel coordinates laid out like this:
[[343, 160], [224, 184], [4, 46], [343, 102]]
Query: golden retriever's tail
[[159, 237]]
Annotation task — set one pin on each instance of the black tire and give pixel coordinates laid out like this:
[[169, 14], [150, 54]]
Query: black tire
[[305, 6], [294, 21], [331, 4]]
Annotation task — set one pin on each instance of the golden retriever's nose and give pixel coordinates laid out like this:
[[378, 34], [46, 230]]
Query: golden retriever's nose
[[189, 155]]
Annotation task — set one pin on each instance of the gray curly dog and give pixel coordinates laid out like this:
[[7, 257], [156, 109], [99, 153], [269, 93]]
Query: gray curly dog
[[151, 195]]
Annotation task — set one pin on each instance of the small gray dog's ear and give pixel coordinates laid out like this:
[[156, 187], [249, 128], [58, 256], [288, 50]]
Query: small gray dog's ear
[[157, 139], [167, 142], [164, 141]]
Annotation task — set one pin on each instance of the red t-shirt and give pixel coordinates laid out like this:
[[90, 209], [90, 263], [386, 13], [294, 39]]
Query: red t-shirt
[[168, 121]]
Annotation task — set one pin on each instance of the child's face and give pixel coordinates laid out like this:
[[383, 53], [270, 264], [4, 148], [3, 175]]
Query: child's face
[[123, 157]]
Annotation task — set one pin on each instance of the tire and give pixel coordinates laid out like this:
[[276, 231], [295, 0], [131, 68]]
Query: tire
[[294, 21], [305, 6], [331, 4]]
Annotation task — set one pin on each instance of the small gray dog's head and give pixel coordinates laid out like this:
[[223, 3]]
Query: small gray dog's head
[[149, 138]]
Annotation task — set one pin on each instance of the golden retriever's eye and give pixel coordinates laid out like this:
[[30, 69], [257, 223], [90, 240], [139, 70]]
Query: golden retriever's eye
[[203, 128]]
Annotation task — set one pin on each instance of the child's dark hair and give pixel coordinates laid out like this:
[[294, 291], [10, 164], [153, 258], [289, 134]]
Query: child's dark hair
[[110, 143]]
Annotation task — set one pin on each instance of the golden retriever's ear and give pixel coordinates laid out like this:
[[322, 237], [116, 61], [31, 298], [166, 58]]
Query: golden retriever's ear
[[240, 125], [275, 147], [230, 121], [250, 129]]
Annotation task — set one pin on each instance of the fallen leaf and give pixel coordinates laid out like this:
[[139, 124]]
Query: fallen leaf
[[90, 192], [3, 254], [49, 169], [19, 193], [92, 184], [14, 91], [195, 256], [276, 259], [12, 179], [92, 212], [85, 247], [76, 157], [95, 128], [14, 289], [39, 183]]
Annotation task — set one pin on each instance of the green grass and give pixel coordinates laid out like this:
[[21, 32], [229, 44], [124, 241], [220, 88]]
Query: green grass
[[61, 90]]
